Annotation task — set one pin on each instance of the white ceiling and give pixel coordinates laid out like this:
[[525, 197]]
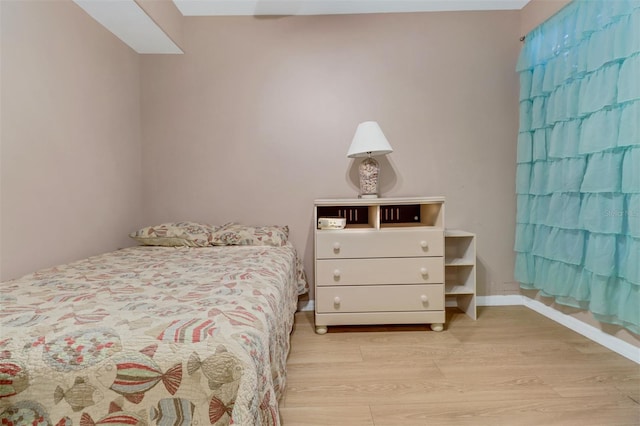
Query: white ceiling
[[132, 25], [127, 21], [332, 7]]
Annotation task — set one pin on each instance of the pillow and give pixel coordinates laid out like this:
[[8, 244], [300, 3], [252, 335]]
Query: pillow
[[234, 234], [175, 234]]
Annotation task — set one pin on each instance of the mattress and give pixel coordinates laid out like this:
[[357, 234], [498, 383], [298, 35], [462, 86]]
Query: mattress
[[150, 335]]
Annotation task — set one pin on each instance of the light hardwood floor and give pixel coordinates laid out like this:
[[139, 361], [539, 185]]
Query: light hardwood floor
[[510, 367]]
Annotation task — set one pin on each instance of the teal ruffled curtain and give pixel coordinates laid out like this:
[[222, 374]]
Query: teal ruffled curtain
[[578, 163]]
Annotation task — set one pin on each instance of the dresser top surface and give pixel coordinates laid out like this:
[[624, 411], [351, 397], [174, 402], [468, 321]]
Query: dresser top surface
[[377, 201]]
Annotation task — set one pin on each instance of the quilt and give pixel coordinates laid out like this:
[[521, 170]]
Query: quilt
[[150, 336]]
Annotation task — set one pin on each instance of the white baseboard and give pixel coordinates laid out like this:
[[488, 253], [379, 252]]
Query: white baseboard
[[613, 343], [306, 305]]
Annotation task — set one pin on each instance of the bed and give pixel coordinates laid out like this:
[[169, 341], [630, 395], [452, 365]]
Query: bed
[[166, 335]]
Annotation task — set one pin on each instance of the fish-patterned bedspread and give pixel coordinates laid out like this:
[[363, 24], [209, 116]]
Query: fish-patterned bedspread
[[150, 336]]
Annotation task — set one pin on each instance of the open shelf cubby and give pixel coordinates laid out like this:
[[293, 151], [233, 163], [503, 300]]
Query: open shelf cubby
[[356, 216], [383, 213], [460, 269], [399, 215]]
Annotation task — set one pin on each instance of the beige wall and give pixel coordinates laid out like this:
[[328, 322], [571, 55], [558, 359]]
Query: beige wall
[[532, 15], [538, 11], [254, 121], [70, 140]]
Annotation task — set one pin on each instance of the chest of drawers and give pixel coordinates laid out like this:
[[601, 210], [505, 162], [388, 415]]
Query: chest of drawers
[[385, 267]]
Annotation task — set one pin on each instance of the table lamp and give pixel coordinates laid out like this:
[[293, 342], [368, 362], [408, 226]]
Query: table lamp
[[368, 142]]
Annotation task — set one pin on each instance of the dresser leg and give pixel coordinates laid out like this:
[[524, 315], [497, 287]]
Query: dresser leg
[[437, 327], [321, 329]]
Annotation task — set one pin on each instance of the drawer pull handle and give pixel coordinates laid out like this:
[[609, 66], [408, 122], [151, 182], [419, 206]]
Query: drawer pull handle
[[336, 273], [424, 298], [336, 300], [424, 244], [423, 271], [336, 246]]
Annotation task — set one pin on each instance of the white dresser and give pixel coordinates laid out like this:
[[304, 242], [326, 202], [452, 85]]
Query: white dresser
[[385, 267]]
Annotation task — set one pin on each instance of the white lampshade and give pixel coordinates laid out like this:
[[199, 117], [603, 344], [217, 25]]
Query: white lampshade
[[369, 141]]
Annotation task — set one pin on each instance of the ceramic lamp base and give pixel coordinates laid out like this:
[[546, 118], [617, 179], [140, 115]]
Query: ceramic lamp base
[[369, 171]]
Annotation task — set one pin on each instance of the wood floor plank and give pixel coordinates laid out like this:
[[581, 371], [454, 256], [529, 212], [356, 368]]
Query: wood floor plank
[[412, 352], [402, 369], [510, 367], [561, 412], [551, 366], [630, 388], [336, 392], [320, 352], [594, 380], [318, 416]]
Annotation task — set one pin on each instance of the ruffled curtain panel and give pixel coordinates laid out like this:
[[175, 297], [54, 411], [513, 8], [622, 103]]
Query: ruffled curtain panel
[[578, 162]]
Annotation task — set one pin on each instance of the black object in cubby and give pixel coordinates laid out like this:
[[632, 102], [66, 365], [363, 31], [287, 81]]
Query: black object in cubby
[[354, 214]]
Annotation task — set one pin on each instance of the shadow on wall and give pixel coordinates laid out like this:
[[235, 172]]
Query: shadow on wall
[[487, 287], [482, 287], [387, 180]]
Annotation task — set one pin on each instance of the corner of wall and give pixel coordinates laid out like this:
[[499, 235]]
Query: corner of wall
[[166, 16]]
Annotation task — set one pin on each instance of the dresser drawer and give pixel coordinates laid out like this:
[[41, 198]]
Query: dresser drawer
[[356, 243], [380, 298], [410, 270]]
